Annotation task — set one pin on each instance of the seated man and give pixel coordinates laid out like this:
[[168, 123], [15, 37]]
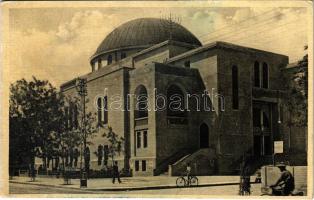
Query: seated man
[[286, 182]]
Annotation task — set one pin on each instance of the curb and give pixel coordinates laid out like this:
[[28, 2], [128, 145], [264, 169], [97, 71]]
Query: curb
[[160, 187], [127, 188]]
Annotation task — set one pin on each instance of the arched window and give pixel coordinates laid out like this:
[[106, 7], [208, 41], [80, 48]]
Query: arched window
[[235, 88], [204, 136], [141, 104], [265, 120], [71, 116], [175, 102], [256, 74], [109, 59], [66, 113], [75, 117], [105, 110], [100, 154], [265, 76], [123, 55], [99, 110]]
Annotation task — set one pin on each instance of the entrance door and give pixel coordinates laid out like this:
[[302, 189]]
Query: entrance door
[[204, 136]]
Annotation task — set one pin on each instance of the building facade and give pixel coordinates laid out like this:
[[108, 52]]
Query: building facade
[[182, 102]]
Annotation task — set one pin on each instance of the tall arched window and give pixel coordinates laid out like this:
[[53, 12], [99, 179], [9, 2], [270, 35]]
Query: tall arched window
[[75, 117], [265, 76], [71, 116], [235, 88], [141, 104], [175, 102], [109, 59], [99, 110], [66, 112], [105, 110], [256, 74]]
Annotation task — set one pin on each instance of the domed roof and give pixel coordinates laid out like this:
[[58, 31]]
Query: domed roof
[[145, 32]]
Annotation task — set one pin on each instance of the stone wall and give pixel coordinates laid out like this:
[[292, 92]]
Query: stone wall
[[143, 76]]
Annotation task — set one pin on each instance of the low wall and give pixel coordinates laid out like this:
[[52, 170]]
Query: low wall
[[270, 175]]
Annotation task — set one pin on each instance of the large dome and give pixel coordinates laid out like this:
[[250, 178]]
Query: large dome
[[145, 32]]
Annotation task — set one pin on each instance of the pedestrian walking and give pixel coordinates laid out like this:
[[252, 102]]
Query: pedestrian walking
[[245, 185], [115, 173], [76, 154], [32, 171], [188, 173]]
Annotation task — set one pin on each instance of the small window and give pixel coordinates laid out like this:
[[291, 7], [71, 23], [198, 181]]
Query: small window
[[123, 55], [137, 165], [143, 165], [187, 64], [99, 64], [145, 139], [109, 59], [138, 139]]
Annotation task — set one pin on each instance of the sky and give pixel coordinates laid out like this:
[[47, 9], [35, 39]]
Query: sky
[[56, 43]]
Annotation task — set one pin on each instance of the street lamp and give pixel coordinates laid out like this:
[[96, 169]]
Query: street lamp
[[81, 88], [279, 111]]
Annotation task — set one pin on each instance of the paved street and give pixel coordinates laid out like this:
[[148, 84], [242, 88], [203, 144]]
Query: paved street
[[16, 188]]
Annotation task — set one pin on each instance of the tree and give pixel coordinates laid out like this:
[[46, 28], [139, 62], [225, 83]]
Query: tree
[[115, 143], [34, 110], [71, 128], [297, 95], [295, 99]]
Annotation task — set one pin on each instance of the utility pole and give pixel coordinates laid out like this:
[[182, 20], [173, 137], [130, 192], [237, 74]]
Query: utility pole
[[81, 88]]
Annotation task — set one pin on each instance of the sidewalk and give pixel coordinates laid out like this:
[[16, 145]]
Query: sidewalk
[[128, 183]]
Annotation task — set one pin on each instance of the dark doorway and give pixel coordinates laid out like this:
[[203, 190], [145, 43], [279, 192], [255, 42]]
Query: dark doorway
[[204, 136], [257, 145]]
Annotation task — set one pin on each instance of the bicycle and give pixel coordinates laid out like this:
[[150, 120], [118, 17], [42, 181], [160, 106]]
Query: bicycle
[[268, 191], [182, 181]]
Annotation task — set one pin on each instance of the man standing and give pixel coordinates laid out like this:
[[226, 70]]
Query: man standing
[[115, 173], [286, 182]]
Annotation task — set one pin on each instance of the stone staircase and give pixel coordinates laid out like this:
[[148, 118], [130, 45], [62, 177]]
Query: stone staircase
[[162, 168], [202, 162]]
